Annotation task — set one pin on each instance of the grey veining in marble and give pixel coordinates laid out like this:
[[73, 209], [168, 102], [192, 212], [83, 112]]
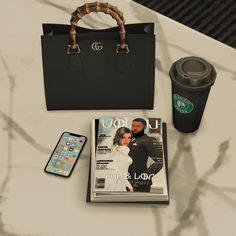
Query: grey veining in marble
[[193, 209], [89, 20], [23, 133], [8, 128], [56, 5], [221, 193]]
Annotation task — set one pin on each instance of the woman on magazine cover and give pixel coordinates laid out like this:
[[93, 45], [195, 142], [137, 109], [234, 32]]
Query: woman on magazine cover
[[118, 169]]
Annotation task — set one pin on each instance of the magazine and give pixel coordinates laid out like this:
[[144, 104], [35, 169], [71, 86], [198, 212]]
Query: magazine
[[128, 160]]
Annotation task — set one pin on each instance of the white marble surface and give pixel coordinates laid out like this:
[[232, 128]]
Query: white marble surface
[[201, 165]]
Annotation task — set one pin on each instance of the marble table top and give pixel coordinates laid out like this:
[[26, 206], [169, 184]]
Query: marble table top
[[201, 165]]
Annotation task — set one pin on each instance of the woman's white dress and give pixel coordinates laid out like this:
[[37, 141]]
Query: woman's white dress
[[117, 175]]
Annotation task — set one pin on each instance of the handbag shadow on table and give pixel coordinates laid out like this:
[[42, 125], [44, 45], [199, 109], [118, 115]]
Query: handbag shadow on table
[[111, 68]]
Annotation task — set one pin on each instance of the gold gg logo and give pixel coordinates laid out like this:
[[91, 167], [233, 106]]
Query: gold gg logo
[[97, 46]]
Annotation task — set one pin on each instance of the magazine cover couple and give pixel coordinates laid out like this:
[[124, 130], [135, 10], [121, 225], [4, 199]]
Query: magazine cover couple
[[133, 143]]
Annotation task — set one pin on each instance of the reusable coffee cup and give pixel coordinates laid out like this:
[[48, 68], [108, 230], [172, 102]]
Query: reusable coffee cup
[[192, 78]]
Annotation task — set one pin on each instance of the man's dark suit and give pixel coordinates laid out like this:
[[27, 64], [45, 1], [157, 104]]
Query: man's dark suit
[[140, 149]]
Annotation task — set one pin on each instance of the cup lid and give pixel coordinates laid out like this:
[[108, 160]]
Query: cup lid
[[193, 73]]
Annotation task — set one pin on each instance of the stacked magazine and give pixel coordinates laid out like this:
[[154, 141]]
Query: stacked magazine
[[128, 160]]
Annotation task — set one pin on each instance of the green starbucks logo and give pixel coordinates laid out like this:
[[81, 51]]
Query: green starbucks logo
[[181, 104]]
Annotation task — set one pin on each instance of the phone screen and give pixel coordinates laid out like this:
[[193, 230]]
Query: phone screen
[[65, 154]]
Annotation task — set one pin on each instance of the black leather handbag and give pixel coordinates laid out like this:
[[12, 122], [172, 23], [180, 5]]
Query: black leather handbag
[[112, 68]]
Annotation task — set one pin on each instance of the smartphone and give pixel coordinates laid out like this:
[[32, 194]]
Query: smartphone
[[65, 155]]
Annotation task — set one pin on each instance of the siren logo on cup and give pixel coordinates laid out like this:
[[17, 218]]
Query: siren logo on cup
[[181, 104]]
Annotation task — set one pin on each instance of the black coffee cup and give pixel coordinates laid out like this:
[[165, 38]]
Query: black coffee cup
[[192, 78]]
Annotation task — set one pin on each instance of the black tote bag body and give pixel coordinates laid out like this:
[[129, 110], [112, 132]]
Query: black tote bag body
[[99, 77]]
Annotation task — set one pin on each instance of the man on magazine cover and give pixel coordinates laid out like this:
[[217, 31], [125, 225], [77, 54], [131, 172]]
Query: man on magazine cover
[[141, 148]]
